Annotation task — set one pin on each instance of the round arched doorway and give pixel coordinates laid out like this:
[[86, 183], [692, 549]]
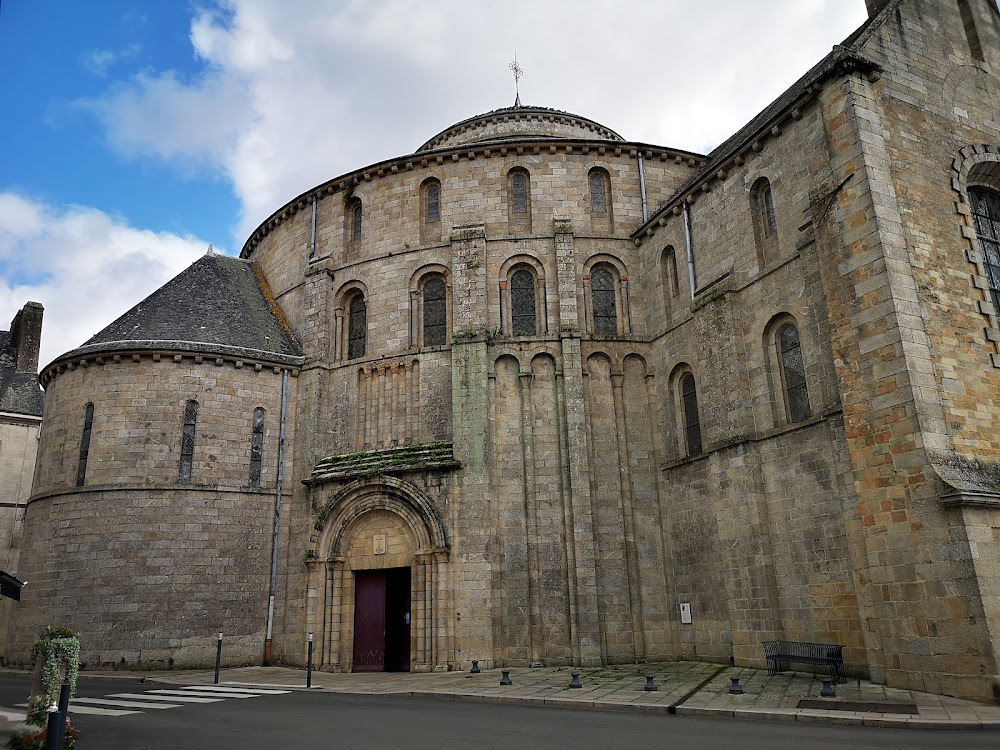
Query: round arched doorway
[[377, 582]]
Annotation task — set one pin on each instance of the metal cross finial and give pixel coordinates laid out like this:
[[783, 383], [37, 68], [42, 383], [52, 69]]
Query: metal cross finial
[[518, 71]]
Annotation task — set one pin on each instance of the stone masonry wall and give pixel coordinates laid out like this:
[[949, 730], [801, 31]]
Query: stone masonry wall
[[110, 558]]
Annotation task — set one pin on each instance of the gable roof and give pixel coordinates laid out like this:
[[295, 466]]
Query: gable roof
[[218, 304]]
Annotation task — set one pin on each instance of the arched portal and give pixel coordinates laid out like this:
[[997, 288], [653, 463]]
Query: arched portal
[[377, 586]]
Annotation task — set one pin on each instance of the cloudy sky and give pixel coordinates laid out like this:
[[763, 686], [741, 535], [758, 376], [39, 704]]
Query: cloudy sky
[[135, 132]]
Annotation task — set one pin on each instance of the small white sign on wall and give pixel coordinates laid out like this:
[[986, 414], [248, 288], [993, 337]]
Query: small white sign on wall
[[379, 545], [686, 613]]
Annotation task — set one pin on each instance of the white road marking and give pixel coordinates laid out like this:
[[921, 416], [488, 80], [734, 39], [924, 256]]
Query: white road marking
[[124, 703], [168, 699], [94, 711], [221, 696], [248, 691]]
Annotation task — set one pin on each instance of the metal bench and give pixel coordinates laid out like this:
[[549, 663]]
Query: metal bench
[[828, 654]]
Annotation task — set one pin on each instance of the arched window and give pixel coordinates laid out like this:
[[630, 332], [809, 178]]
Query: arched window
[[986, 214], [668, 275], [432, 202], [519, 193], [430, 210], [793, 373], [971, 35], [435, 312], [256, 446], [88, 426], [692, 422], [604, 301], [765, 222], [355, 215], [523, 313], [519, 200], [187, 441], [357, 327], [598, 191]]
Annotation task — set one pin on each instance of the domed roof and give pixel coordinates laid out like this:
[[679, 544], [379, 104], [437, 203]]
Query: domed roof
[[520, 123]]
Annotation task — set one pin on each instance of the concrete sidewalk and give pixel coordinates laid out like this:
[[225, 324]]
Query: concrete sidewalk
[[683, 688]]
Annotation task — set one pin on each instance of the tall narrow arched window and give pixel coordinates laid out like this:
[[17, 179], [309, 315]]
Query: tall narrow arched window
[[598, 191], [986, 214], [435, 312], [765, 221], [519, 200], [256, 446], [433, 202], [668, 275], [430, 210], [971, 35], [523, 313], [357, 327], [692, 422], [519, 193], [793, 374], [355, 216], [88, 426], [187, 441], [604, 301]]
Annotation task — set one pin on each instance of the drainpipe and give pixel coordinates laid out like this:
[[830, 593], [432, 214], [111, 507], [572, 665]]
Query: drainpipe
[[642, 189], [690, 247], [312, 238], [277, 516]]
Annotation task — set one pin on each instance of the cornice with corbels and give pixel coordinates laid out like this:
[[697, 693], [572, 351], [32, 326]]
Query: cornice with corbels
[[71, 362]]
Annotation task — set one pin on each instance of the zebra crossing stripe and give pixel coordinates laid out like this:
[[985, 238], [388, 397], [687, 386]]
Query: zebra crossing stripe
[[123, 703], [199, 694], [221, 689], [95, 711], [165, 698]]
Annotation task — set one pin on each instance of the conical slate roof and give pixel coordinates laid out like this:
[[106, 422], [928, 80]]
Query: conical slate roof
[[218, 304]]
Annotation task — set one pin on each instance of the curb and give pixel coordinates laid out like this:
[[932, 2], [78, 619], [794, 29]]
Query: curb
[[804, 716], [837, 718]]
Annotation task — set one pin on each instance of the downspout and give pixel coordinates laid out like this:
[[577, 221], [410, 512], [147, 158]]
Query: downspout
[[642, 189], [277, 517], [312, 237], [690, 247]]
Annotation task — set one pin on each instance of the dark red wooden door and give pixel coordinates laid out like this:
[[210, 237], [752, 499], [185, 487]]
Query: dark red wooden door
[[369, 621]]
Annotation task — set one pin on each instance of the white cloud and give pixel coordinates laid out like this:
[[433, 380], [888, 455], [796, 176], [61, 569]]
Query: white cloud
[[290, 97], [100, 61], [85, 267]]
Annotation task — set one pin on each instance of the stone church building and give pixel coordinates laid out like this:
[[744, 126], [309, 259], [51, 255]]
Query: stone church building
[[529, 393]]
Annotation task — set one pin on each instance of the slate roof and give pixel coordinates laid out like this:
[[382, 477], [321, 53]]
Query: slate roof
[[219, 304], [19, 391]]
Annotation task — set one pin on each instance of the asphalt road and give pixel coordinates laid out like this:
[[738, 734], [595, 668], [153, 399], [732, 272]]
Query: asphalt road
[[326, 720]]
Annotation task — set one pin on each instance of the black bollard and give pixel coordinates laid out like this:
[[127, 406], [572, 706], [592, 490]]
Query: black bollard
[[575, 680], [505, 680], [650, 685], [475, 667], [828, 690], [734, 687], [56, 729], [309, 663], [218, 658]]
